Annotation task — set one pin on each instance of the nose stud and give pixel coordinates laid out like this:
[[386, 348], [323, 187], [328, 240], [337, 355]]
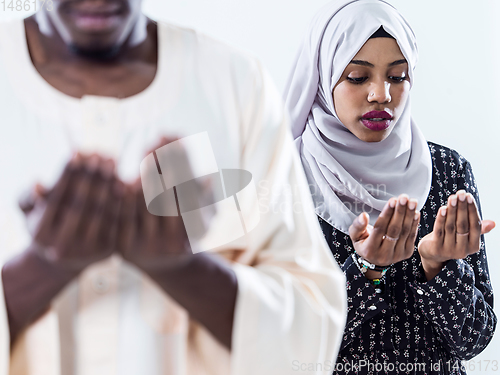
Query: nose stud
[[372, 94]]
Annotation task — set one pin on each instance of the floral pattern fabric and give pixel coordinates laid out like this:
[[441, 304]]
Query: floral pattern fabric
[[412, 326]]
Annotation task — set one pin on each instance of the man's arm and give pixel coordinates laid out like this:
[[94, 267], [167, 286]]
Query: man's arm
[[206, 287], [30, 283], [69, 234], [287, 306], [203, 284]]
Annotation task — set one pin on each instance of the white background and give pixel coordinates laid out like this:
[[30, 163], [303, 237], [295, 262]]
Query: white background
[[456, 92]]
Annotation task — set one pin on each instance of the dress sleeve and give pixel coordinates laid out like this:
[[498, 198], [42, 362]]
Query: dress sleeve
[[363, 303], [459, 300], [291, 303]]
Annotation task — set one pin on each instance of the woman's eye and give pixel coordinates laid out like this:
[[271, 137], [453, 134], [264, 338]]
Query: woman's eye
[[397, 79], [357, 80]]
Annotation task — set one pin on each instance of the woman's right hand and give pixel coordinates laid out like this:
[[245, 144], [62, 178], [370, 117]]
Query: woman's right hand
[[392, 238]]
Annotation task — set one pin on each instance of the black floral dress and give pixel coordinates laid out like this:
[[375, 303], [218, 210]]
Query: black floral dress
[[413, 326]]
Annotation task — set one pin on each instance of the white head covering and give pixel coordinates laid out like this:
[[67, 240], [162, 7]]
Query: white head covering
[[346, 175]]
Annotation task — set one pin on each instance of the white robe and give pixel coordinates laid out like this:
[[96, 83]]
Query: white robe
[[291, 301]]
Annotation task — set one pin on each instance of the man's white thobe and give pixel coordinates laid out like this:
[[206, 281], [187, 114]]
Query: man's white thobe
[[113, 319]]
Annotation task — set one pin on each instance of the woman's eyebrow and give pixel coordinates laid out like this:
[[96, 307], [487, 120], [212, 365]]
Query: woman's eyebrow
[[362, 62], [398, 62], [366, 63]]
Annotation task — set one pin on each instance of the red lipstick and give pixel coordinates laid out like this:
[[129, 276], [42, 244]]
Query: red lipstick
[[377, 120]]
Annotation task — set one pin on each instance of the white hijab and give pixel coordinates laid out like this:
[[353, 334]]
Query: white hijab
[[346, 175]]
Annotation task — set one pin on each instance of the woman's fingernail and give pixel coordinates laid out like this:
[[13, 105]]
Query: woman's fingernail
[[453, 201], [417, 214], [412, 205], [461, 195], [470, 199], [362, 219], [443, 211], [392, 203], [403, 200]]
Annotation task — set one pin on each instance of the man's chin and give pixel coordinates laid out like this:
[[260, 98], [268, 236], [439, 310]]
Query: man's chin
[[94, 53]]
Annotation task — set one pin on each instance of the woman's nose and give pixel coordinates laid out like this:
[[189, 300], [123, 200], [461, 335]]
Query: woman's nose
[[380, 92]]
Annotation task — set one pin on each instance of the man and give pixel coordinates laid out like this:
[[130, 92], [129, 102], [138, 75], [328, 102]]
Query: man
[[93, 283]]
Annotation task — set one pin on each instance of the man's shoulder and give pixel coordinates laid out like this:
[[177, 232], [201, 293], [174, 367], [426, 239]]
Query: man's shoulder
[[205, 46], [11, 22], [10, 27], [11, 31]]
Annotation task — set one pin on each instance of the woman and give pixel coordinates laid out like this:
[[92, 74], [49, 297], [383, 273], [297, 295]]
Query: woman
[[419, 294]]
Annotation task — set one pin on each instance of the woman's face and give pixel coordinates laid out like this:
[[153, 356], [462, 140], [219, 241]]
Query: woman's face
[[372, 92]]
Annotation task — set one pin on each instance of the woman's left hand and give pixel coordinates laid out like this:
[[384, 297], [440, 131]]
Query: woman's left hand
[[457, 232]]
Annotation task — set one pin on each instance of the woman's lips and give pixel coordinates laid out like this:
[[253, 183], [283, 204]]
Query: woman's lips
[[377, 120], [376, 125]]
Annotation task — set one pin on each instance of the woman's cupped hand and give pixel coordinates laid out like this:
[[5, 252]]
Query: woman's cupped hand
[[391, 239], [456, 233]]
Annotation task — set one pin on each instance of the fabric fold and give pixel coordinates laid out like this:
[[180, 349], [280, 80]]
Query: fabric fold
[[272, 311]]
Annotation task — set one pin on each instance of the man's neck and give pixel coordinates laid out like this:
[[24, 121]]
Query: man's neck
[[123, 73]]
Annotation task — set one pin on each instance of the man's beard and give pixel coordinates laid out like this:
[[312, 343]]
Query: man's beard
[[95, 54]]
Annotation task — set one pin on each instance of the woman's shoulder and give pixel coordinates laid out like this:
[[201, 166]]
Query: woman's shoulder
[[446, 159], [450, 171]]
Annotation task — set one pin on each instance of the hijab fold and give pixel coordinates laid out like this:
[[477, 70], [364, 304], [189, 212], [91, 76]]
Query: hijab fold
[[346, 175]]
